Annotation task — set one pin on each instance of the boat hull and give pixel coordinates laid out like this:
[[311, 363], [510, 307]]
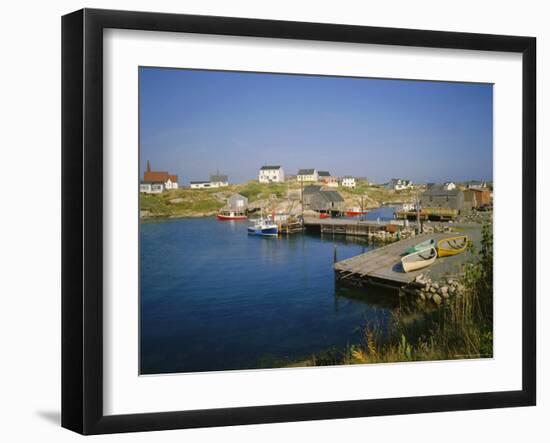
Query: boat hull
[[355, 213], [452, 245], [266, 232], [421, 246], [419, 260], [231, 217]]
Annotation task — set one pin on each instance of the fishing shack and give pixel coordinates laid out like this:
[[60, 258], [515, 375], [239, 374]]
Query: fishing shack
[[237, 201]]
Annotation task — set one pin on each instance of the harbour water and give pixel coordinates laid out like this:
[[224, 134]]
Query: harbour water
[[214, 298]]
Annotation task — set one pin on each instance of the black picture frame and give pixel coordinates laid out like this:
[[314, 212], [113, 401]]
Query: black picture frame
[[82, 218]]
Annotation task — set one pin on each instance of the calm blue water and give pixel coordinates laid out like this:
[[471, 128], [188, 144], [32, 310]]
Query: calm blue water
[[215, 298]]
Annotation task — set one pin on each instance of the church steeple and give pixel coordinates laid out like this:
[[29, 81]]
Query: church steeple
[[148, 166]]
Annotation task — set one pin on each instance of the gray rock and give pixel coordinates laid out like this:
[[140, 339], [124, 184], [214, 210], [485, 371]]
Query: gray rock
[[443, 289], [433, 290], [436, 299]]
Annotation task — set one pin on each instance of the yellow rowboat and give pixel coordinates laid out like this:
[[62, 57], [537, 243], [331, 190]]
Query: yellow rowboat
[[452, 245], [418, 260]]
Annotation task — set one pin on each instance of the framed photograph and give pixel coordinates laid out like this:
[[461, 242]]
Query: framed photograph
[[269, 221]]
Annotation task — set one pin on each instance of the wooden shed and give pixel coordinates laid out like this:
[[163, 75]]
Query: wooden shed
[[327, 201], [237, 201], [441, 198], [474, 198]]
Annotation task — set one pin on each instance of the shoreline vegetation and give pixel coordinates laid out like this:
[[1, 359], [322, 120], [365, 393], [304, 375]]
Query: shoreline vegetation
[[460, 328], [186, 202]]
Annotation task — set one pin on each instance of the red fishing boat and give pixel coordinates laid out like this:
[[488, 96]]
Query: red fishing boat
[[323, 215], [355, 212], [231, 214]]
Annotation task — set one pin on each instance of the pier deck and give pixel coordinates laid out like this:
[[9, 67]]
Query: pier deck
[[383, 265], [351, 227]]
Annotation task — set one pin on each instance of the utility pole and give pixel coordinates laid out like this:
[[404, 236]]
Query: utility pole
[[418, 225]]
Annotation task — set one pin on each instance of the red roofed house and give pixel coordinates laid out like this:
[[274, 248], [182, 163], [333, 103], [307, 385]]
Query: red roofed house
[[155, 182]]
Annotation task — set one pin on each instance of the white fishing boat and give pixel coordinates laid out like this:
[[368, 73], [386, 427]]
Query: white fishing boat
[[264, 227], [420, 259]]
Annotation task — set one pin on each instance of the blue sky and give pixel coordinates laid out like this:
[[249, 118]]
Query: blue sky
[[195, 122]]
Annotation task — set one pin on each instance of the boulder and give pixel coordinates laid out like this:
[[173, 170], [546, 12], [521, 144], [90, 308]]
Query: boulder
[[436, 299]]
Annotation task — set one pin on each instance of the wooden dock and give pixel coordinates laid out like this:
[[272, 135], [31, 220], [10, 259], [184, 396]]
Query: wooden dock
[[383, 265], [351, 227], [290, 227]]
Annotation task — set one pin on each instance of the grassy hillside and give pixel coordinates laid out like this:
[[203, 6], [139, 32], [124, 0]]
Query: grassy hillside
[[187, 202]]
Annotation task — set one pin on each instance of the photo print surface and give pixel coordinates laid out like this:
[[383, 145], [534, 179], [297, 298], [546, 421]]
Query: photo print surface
[[293, 221]]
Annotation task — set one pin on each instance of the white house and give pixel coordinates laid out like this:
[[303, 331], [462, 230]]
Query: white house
[[218, 180], [348, 182], [449, 186], [271, 174], [151, 187], [327, 179], [398, 184], [307, 175], [476, 184], [200, 184], [155, 182]]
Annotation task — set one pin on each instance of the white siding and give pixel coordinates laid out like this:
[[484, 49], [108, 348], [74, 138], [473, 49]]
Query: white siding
[[348, 182], [271, 175]]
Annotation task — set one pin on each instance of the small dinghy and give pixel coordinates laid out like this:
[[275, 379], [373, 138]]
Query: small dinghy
[[420, 246], [452, 245], [420, 259]]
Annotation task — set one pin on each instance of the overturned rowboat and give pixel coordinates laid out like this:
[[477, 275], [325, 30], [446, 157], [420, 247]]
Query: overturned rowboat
[[420, 259], [452, 245], [421, 246]]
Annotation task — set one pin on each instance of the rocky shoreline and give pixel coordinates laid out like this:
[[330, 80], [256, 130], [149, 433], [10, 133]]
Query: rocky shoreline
[[147, 215], [437, 292]]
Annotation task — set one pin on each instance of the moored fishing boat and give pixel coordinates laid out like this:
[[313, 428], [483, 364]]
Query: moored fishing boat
[[420, 246], [231, 214], [354, 212], [419, 259], [264, 227], [452, 245]]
